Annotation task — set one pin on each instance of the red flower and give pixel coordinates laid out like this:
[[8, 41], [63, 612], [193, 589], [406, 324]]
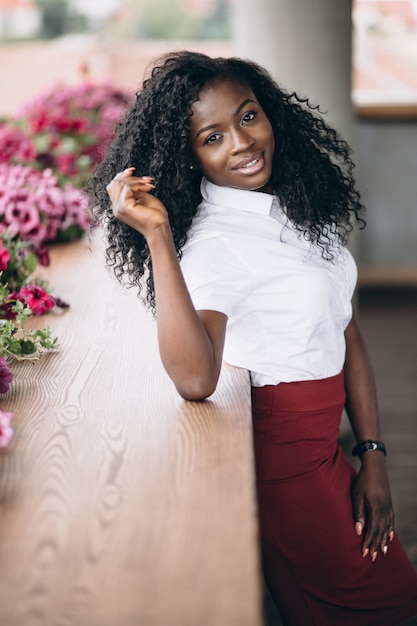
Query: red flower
[[37, 299], [4, 258]]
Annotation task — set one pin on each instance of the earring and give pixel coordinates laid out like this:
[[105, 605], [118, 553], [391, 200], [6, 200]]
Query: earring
[[191, 167]]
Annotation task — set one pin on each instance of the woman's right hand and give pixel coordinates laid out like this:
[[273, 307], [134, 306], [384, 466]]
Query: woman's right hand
[[134, 205]]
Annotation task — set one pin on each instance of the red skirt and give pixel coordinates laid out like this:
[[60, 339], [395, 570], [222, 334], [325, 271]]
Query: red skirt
[[312, 557]]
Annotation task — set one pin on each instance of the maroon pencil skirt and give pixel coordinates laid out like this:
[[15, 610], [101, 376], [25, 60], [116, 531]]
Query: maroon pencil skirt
[[312, 557]]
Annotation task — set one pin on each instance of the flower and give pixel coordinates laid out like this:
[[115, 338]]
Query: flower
[[20, 298], [6, 431], [22, 262], [38, 300], [35, 208], [6, 376], [70, 125], [14, 145], [4, 258], [47, 152]]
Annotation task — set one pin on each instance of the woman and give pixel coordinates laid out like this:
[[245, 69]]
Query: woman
[[235, 200]]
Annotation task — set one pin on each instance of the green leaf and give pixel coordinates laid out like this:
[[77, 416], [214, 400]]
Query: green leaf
[[84, 162], [71, 233], [67, 145], [42, 143], [14, 346], [30, 263], [27, 346]]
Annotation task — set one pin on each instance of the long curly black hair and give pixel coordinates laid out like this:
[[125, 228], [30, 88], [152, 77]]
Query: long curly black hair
[[312, 169]]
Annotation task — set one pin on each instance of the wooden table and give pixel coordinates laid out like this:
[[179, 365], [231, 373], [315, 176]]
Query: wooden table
[[120, 503]]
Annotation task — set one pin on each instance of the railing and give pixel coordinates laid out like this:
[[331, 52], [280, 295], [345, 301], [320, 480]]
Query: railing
[[120, 503]]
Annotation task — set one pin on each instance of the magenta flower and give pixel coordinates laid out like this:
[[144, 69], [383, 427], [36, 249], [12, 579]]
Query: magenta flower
[[4, 258], [38, 300], [6, 431], [43, 256], [14, 146], [75, 122], [6, 376]]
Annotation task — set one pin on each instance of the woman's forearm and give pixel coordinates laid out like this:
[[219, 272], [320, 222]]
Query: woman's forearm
[[191, 344], [361, 399]]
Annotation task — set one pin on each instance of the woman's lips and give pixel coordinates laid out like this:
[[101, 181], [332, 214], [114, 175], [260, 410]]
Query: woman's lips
[[251, 165]]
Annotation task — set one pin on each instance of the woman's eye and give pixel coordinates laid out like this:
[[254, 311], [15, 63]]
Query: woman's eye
[[213, 138], [248, 117]]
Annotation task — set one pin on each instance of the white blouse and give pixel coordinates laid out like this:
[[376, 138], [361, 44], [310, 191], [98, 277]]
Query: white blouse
[[287, 307]]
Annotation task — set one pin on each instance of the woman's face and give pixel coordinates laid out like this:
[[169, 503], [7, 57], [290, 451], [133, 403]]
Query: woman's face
[[231, 137]]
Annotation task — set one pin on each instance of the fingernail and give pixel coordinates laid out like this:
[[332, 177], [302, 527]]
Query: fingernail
[[391, 535], [385, 550], [358, 528], [375, 554], [365, 553]]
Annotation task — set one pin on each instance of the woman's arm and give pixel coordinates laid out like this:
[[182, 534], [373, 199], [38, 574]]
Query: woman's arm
[[190, 343], [371, 498]]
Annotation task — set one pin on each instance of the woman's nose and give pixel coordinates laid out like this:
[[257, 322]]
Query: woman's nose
[[241, 140]]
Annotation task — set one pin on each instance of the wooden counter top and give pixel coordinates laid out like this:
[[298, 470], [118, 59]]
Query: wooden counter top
[[120, 503]]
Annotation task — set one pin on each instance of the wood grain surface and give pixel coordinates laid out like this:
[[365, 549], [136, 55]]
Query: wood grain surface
[[120, 503]]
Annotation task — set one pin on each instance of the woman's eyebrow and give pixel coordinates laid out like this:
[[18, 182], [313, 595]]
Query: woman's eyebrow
[[211, 126]]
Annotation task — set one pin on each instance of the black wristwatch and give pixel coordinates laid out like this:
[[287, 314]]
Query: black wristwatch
[[368, 445]]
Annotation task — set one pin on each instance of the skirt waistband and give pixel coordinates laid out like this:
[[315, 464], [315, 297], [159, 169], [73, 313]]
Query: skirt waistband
[[305, 395]]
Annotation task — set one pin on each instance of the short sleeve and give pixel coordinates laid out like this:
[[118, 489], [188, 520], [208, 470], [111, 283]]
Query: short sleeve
[[215, 277]]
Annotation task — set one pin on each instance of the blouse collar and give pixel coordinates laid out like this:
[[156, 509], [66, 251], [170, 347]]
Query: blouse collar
[[240, 199]]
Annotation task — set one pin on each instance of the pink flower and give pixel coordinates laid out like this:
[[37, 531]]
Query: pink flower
[[66, 164], [38, 300], [21, 215], [75, 203], [6, 376], [35, 207], [4, 258], [6, 431]]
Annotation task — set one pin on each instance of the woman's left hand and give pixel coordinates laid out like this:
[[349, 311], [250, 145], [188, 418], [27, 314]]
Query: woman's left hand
[[372, 505]]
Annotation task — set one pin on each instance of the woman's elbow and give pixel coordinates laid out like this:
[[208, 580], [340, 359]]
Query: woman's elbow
[[197, 389]]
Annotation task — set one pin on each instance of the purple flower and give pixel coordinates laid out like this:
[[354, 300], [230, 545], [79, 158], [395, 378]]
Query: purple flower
[[6, 376]]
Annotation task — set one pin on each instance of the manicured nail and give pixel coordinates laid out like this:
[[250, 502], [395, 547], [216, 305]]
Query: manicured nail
[[375, 554], [391, 535], [385, 550], [358, 528], [365, 553]]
